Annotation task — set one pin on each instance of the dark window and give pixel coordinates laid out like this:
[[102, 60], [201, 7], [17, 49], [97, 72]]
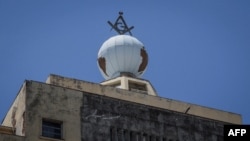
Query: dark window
[[131, 136], [119, 134], [111, 134], [144, 137], [136, 136], [126, 135], [52, 129], [151, 138]]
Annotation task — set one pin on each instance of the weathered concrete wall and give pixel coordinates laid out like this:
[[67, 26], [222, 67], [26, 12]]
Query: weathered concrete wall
[[111, 119], [52, 102], [7, 137], [92, 112], [154, 101], [16, 115]]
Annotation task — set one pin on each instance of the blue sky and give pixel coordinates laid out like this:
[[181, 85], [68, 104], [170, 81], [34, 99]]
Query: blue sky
[[199, 50]]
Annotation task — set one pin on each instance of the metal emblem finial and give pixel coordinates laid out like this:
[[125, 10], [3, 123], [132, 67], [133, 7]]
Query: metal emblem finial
[[120, 25]]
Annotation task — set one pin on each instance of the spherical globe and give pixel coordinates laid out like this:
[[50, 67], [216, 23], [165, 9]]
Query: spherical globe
[[122, 54]]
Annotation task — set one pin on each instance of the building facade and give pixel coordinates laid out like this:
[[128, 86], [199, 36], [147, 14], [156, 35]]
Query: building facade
[[75, 110]]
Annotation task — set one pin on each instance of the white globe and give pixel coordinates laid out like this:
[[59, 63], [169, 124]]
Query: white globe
[[122, 54]]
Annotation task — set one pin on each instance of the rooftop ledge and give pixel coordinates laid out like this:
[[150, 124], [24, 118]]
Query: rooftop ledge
[[155, 101]]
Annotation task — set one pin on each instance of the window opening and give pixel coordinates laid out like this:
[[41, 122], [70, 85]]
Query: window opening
[[131, 136], [52, 129], [144, 137], [111, 134], [119, 134], [137, 136]]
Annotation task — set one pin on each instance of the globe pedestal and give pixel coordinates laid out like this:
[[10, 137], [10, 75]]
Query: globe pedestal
[[132, 84]]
